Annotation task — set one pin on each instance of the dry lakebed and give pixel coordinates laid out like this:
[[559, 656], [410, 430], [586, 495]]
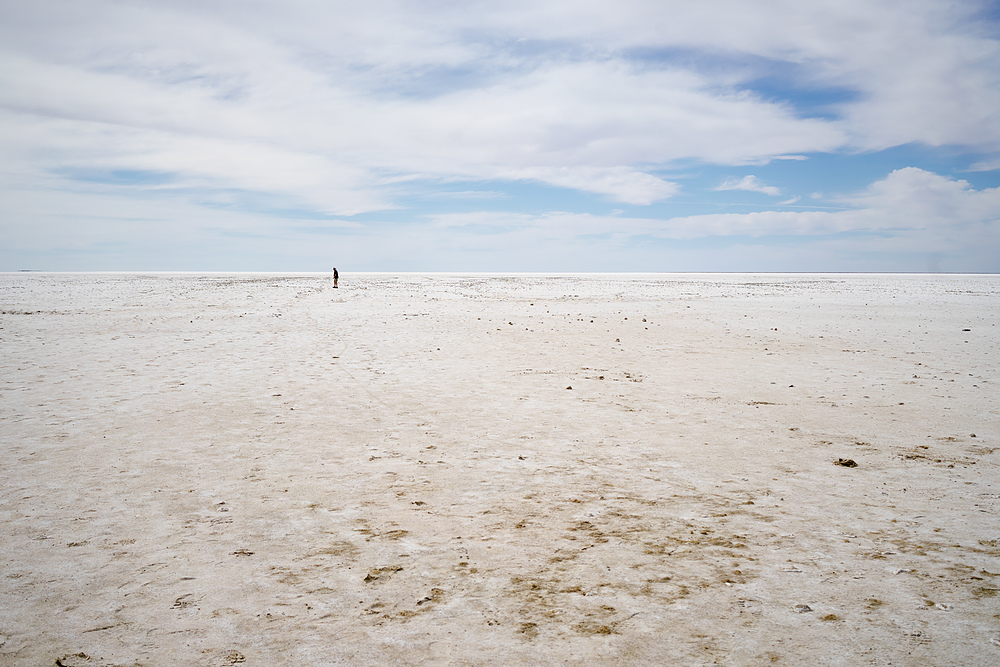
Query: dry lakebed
[[445, 469]]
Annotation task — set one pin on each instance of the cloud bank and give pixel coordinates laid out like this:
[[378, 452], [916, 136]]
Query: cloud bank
[[343, 109]]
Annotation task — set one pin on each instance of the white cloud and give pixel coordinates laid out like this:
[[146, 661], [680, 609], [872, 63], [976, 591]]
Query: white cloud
[[576, 125], [928, 71], [986, 165], [911, 209], [340, 108], [619, 183], [323, 102], [895, 224], [906, 202], [750, 183], [914, 198]]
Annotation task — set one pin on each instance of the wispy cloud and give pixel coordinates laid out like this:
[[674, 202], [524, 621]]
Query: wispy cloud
[[621, 184], [751, 184], [986, 165], [468, 194]]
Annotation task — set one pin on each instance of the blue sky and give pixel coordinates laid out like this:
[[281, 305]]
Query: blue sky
[[542, 135]]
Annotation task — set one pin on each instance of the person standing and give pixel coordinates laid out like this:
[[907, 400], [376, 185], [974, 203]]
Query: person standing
[[336, 277]]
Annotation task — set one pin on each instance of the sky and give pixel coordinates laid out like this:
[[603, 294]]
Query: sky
[[500, 136]]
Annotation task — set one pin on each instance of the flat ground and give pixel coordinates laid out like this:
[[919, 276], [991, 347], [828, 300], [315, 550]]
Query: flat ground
[[475, 470]]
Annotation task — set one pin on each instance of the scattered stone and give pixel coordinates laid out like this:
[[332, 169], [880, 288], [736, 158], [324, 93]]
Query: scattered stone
[[802, 608], [847, 463], [569, 387], [382, 573]]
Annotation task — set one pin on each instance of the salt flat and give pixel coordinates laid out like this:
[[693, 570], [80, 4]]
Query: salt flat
[[479, 470]]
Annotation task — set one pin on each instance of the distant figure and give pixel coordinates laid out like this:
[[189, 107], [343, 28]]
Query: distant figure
[[336, 277]]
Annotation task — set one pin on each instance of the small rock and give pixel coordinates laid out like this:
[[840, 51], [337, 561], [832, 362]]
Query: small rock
[[569, 387], [801, 608], [847, 463]]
